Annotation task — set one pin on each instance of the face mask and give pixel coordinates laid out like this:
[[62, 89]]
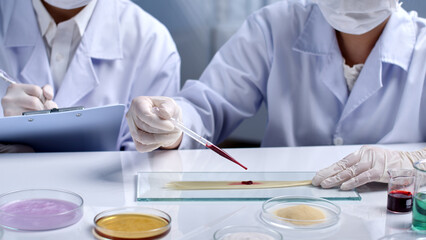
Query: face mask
[[68, 4], [356, 16]]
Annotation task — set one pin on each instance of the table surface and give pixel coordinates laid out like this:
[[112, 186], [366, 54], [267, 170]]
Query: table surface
[[107, 180]]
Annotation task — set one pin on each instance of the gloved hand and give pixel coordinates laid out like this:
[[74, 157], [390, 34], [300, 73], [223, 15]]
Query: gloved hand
[[368, 164], [151, 129], [21, 98]]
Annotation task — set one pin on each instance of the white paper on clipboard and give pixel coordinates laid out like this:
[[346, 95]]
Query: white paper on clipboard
[[92, 129]]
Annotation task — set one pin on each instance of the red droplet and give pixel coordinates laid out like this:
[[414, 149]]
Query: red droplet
[[247, 182]]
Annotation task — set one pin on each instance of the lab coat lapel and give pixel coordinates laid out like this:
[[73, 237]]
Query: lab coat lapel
[[318, 39], [100, 42], [370, 78], [102, 36], [37, 70], [79, 80], [333, 77], [28, 45], [368, 83]]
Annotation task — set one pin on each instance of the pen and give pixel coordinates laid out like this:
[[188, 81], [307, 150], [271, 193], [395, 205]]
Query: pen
[[202, 140], [5, 77]]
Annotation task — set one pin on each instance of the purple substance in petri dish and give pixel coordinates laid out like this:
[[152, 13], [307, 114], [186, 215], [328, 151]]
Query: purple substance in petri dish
[[39, 214]]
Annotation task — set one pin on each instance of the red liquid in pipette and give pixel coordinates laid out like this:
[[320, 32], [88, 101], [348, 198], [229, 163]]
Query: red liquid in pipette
[[224, 154]]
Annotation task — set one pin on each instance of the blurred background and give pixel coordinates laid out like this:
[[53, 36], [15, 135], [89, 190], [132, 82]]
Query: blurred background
[[200, 27]]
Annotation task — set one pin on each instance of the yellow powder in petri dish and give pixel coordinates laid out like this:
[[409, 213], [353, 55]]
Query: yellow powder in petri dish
[[131, 226], [302, 214]]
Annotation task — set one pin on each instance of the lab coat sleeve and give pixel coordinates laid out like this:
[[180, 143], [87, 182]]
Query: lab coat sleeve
[[232, 87], [3, 60], [422, 43], [423, 117]]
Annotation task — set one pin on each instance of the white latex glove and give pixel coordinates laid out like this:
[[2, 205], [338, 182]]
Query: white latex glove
[[21, 98], [368, 164], [151, 129]]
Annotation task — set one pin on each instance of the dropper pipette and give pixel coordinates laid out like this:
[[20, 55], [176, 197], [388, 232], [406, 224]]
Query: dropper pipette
[[202, 140]]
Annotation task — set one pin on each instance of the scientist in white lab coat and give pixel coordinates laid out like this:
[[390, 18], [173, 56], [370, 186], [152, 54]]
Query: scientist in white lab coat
[[83, 53], [329, 71]]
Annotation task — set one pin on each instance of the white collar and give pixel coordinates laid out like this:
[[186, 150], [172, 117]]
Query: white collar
[[46, 22], [83, 17]]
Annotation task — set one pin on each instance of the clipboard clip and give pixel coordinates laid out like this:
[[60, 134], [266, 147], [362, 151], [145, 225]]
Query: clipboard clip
[[54, 110]]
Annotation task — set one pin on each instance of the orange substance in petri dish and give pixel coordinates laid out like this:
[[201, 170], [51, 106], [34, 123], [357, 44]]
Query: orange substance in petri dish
[[131, 226]]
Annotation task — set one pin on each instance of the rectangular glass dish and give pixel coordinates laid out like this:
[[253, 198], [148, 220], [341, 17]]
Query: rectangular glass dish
[[151, 186]]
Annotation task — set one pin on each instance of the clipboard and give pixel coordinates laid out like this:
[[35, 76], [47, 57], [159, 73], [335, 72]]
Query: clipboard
[[92, 129]]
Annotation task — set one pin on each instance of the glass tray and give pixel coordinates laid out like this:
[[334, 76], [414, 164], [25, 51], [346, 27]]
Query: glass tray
[[151, 187]]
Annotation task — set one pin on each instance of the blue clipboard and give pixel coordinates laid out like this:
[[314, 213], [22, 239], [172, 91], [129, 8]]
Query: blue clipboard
[[92, 129]]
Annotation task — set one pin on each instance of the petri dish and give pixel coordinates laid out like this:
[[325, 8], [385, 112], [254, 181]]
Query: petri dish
[[131, 223], [246, 233], [299, 213], [40, 209]]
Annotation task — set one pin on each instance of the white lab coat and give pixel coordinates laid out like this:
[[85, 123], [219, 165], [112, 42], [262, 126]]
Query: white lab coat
[[287, 56], [124, 53]]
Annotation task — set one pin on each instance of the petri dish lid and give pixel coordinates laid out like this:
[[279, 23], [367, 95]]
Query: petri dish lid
[[246, 233], [40, 209], [301, 213]]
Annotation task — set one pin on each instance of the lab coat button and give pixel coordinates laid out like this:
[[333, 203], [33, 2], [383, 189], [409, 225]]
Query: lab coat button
[[59, 57], [338, 141]]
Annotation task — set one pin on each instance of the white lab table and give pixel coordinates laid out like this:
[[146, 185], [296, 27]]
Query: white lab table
[[108, 179]]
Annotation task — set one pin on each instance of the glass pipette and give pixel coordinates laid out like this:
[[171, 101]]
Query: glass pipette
[[202, 140]]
